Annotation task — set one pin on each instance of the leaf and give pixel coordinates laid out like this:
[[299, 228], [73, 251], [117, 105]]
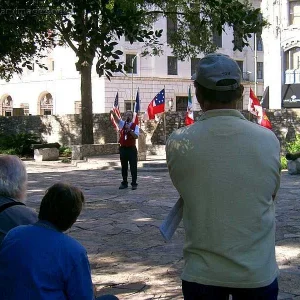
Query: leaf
[[118, 52]]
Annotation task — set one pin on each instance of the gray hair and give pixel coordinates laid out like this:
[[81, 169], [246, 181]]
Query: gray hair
[[13, 177]]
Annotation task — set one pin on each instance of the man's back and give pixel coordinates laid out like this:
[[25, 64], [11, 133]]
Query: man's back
[[39, 262], [14, 216], [226, 170]]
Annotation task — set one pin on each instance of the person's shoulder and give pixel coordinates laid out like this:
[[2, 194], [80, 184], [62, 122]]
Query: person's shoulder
[[261, 130], [72, 244], [24, 212], [19, 231], [180, 133]]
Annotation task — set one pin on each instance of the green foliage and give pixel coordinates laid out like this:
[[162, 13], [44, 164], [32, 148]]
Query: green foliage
[[93, 29], [283, 162], [65, 151], [293, 146], [23, 36], [18, 144]]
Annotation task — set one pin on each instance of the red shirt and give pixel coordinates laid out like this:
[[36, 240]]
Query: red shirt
[[126, 139]]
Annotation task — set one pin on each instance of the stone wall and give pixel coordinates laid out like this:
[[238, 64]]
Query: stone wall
[[66, 129]]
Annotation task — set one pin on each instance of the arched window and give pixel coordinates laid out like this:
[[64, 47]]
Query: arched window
[[6, 105], [45, 104]]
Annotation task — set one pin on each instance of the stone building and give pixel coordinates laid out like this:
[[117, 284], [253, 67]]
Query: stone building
[[282, 53], [56, 91]]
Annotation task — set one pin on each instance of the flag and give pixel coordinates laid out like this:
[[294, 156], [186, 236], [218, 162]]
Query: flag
[[116, 111], [189, 117], [255, 108], [156, 106], [136, 110]]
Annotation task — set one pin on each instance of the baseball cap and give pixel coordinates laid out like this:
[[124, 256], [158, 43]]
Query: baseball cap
[[215, 67]]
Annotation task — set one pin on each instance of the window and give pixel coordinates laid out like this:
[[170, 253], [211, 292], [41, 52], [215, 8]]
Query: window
[[181, 103], [77, 107], [127, 105], [260, 70], [217, 39], [47, 112], [25, 107], [294, 12], [7, 106], [240, 63], [292, 59], [172, 65], [171, 28], [45, 106], [194, 63], [131, 63], [259, 43]]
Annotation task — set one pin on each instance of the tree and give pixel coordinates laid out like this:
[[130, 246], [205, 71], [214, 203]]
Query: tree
[[24, 36], [93, 28]]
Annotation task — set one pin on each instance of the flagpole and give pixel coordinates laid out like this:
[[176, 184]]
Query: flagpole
[[165, 125], [255, 64], [118, 131]]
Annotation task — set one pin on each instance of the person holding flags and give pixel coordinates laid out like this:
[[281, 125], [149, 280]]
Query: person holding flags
[[129, 132], [227, 171]]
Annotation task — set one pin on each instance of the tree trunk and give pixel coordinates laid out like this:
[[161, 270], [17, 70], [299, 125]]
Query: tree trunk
[[87, 136]]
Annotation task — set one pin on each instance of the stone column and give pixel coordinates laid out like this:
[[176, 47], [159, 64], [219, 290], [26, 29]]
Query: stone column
[[141, 146]]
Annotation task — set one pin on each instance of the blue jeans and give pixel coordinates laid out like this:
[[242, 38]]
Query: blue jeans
[[196, 291]]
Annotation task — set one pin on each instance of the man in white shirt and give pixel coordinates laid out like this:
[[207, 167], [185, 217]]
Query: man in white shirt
[[227, 170]]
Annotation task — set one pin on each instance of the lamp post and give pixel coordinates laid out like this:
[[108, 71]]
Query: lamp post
[[132, 61]]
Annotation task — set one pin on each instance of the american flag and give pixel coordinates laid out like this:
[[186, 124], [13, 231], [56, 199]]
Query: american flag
[[136, 109], [116, 111]]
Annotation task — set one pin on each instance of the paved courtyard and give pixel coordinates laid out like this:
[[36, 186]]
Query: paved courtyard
[[119, 229]]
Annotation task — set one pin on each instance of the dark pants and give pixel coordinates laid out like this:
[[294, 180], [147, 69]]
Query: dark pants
[[196, 291], [129, 154]]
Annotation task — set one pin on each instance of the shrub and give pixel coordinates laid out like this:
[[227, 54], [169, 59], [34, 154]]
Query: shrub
[[283, 162], [293, 146], [18, 144], [65, 151]]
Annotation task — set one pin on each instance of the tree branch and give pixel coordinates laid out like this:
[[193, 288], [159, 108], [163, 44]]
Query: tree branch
[[66, 37], [156, 12]]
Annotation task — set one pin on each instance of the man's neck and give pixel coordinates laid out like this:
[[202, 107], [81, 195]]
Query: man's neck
[[212, 106]]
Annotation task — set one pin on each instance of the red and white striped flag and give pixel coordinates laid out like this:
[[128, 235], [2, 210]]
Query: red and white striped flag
[[255, 108], [116, 111]]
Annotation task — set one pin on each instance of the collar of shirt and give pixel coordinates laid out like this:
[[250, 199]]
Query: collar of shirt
[[221, 113], [46, 224]]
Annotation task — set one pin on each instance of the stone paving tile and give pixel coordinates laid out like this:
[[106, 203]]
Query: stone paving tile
[[119, 229]]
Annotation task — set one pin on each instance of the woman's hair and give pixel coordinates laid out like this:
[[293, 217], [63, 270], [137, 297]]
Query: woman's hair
[[13, 177], [61, 205], [221, 96]]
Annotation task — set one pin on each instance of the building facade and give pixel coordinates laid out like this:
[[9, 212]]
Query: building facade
[[282, 53], [57, 90]]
